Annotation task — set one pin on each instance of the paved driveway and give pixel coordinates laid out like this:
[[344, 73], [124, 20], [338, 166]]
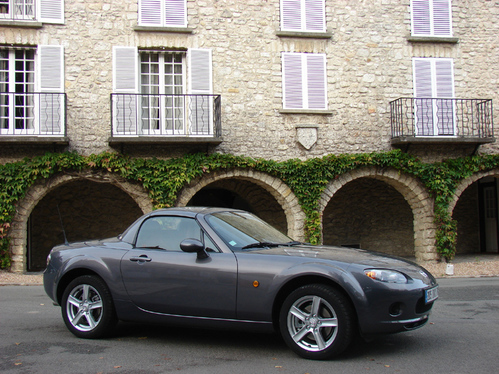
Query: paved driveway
[[462, 337]]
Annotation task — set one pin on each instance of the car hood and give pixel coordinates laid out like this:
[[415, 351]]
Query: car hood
[[360, 258]]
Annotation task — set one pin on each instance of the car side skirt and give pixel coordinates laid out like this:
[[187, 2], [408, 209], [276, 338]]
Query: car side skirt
[[130, 312]]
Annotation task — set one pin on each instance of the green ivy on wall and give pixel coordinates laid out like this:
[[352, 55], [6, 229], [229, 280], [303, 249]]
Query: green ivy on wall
[[164, 179]]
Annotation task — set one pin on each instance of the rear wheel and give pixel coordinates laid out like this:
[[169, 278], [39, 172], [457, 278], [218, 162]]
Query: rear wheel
[[87, 308], [317, 322]]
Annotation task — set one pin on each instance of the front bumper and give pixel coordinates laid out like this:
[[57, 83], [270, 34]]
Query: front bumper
[[394, 311], [49, 283]]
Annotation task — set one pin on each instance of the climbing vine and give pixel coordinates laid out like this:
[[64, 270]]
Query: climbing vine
[[164, 179]]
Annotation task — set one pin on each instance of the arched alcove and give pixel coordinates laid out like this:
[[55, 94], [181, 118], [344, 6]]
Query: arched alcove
[[92, 205], [266, 196], [475, 207], [398, 205]]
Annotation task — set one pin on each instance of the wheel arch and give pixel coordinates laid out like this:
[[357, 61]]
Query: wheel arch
[[68, 278], [297, 282]]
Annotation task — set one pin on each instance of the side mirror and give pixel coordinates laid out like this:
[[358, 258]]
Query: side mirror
[[194, 246]]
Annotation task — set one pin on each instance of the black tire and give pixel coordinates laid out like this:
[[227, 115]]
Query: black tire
[[87, 308], [317, 322]]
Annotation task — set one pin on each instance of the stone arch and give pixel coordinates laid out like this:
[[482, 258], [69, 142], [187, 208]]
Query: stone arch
[[295, 217], [465, 183], [414, 193], [467, 207], [24, 208]]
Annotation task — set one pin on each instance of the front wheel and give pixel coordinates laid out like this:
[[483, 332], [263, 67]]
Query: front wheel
[[317, 322], [87, 308]]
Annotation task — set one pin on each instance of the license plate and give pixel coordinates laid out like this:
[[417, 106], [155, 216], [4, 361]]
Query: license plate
[[431, 295]]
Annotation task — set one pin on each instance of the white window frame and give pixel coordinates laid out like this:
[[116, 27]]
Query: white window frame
[[434, 78], [432, 18], [46, 11], [198, 77], [304, 81], [48, 77], [162, 117], [162, 13], [25, 96], [303, 15], [8, 10]]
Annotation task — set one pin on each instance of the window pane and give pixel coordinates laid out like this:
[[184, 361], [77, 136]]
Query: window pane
[[144, 81], [30, 54], [167, 232], [178, 58], [4, 6]]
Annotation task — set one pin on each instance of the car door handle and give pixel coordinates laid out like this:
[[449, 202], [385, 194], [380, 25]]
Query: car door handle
[[142, 258]]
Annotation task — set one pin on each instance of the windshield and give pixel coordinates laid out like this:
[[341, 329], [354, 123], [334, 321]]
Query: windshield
[[242, 230]]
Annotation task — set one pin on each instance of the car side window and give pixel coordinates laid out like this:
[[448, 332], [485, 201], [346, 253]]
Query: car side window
[[168, 232]]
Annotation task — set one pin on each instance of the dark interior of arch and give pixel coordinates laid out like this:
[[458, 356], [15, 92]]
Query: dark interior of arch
[[88, 210], [369, 214], [477, 216], [241, 194]]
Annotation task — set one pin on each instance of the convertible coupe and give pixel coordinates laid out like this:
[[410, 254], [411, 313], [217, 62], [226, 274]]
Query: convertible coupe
[[217, 267]]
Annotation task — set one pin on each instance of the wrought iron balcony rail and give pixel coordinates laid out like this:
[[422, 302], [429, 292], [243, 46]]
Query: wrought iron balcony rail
[[32, 114], [431, 117], [163, 115]]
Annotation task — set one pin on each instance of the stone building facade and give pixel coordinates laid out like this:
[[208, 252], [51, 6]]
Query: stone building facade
[[287, 88]]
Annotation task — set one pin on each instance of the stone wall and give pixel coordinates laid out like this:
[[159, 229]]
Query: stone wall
[[368, 65]]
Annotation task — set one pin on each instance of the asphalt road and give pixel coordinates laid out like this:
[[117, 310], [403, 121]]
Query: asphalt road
[[463, 337]]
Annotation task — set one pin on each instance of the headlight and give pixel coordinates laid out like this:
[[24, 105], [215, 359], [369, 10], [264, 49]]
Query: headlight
[[389, 276]]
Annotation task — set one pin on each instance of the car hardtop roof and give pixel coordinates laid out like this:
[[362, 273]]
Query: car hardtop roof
[[190, 211]]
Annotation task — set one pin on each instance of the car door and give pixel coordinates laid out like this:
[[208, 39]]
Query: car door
[[161, 278]]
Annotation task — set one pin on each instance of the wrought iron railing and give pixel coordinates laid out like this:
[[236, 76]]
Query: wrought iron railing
[[18, 9], [431, 117], [166, 115], [33, 114]]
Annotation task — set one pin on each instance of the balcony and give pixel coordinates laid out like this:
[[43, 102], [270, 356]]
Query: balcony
[[33, 118], [439, 121], [160, 119]]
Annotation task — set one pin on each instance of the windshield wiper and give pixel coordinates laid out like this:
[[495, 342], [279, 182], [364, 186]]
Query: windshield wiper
[[260, 245], [292, 243], [269, 244]]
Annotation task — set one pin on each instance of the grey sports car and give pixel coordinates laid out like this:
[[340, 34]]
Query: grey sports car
[[216, 267]]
